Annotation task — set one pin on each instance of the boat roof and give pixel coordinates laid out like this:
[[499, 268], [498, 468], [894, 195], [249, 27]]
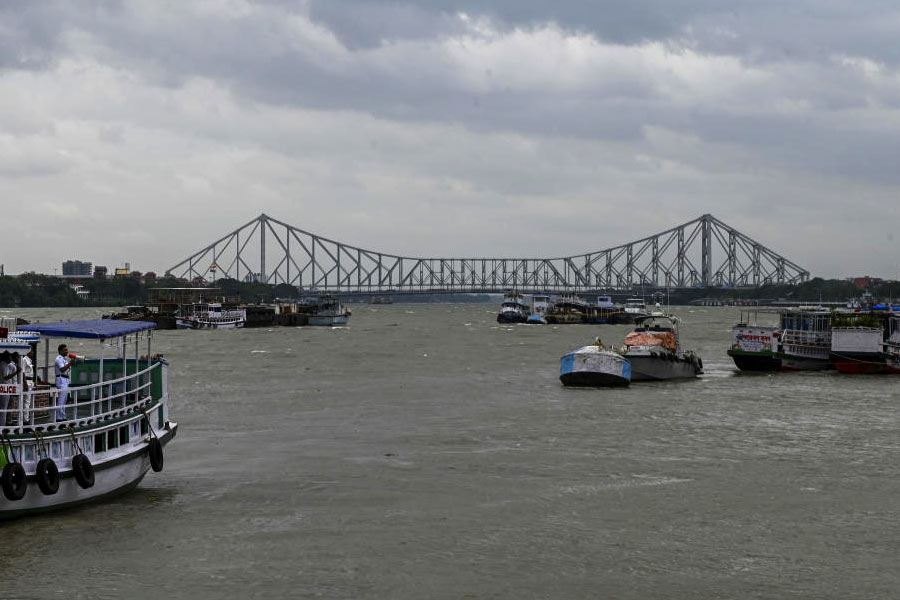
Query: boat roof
[[96, 329], [14, 345]]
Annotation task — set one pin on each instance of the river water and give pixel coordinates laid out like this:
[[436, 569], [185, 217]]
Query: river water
[[423, 451]]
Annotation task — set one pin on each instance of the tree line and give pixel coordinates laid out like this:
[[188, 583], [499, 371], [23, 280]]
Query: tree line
[[35, 290]]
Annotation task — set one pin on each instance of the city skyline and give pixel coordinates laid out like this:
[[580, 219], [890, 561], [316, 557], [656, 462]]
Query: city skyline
[[141, 132]]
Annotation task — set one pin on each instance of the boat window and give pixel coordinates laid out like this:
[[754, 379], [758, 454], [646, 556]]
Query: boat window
[[55, 450], [87, 444], [29, 453], [145, 427], [135, 430], [99, 443], [112, 439], [123, 434]]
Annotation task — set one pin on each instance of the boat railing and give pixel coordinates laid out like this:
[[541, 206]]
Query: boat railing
[[86, 404], [800, 337]]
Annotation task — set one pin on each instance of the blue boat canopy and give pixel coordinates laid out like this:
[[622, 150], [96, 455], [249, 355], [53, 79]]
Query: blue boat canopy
[[97, 329]]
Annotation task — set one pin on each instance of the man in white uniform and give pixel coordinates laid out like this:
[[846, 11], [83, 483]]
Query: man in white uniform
[[28, 382], [63, 372]]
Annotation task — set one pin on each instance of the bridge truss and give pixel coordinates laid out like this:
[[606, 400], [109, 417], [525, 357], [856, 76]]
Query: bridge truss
[[704, 252]]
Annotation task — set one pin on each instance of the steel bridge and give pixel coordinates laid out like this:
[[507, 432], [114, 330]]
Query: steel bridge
[[704, 252]]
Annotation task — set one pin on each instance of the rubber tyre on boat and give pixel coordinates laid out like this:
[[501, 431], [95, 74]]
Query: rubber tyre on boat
[[156, 454], [13, 481], [83, 471], [47, 475]]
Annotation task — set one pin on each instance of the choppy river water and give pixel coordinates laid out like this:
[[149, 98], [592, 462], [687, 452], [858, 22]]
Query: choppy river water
[[423, 451]]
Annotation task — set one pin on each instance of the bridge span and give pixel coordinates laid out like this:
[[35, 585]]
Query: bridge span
[[704, 252]]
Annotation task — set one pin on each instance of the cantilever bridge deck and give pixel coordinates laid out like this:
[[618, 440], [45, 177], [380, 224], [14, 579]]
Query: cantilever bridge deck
[[704, 252]]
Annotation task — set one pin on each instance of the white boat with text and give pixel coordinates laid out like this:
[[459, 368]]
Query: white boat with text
[[116, 419]]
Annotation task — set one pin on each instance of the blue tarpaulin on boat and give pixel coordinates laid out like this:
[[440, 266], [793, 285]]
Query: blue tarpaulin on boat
[[97, 329]]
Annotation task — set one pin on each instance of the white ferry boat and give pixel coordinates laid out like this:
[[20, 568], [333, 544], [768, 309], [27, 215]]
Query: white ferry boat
[[115, 426], [325, 311], [636, 309], [655, 353], [210, 315]]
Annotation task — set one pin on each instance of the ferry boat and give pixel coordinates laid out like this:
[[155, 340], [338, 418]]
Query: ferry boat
[[800, 341], [567, 309], [655, 353], [210, 315], [594, 366], [324, 310], [871, 347], [115, 426], [805, 339], [513, 309], [755, 347]]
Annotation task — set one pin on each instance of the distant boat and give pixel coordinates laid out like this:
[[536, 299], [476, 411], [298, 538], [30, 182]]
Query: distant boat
[[210, 315], [605, 311], [513, 309], [325, 310], [636, 308], [382, 300], [567, 309], [540, 306]]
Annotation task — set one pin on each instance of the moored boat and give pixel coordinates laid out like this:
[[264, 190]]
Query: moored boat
[[210, 315], [567, 309], [754, 347], [325, 310], [859, 350], [109, 434], [513, 309], [540, 306], [605, 311], [655, 353], [636, 309], [594, 366], [805, 339]]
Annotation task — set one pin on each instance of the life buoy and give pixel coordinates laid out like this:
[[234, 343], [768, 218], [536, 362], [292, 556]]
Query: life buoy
[[13, 481], [156, 454], [47, 475], [83, 470]]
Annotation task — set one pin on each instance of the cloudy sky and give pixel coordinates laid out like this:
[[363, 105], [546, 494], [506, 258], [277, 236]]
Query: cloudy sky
[[142, 131]]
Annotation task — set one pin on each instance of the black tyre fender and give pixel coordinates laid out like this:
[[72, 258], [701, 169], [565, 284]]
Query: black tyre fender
[[156, 454], [83, 471], [47, 475], [13, 481]]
